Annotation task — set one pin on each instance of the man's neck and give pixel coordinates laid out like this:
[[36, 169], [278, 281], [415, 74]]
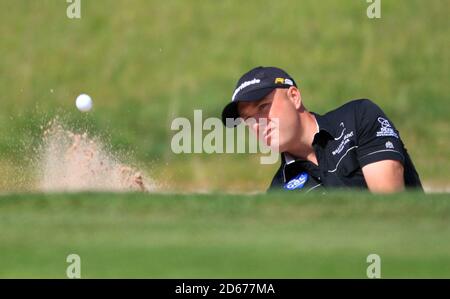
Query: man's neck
[[303, 148]]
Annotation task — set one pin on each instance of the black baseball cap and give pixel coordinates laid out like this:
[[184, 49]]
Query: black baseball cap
[[255, 85]]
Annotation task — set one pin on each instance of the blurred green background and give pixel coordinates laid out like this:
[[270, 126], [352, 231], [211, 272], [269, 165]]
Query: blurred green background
[[147, 62]]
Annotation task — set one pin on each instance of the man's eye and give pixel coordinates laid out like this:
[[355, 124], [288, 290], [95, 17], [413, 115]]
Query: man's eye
[[263, 107]]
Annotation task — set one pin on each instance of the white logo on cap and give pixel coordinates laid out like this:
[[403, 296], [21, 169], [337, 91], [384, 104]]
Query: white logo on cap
[[288, 82], [243, 85]]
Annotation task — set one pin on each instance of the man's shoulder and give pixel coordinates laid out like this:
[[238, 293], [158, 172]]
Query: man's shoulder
[[352, 112], [358, 111], [353, 106]]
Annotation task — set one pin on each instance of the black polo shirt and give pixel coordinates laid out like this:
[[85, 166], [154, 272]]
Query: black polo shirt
[[348, 138]]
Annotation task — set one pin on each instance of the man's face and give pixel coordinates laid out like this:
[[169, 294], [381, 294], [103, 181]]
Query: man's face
[[275, 119]]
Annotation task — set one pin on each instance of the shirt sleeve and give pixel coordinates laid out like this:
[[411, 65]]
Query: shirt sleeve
[[378, 139]]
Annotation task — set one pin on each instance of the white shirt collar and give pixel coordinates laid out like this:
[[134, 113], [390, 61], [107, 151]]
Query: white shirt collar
[[288, 158], [317, 124]]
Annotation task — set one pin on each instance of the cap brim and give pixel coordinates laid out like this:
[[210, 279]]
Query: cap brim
[[231, 109], [230, 112]]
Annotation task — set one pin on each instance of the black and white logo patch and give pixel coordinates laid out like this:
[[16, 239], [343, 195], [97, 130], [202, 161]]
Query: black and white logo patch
[[386, 128]]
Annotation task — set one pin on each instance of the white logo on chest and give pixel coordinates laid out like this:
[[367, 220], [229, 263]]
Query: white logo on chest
[[345, 140]]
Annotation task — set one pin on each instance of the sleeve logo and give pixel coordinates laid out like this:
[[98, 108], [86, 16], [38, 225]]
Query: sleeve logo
[[389, 145], [386, 128]]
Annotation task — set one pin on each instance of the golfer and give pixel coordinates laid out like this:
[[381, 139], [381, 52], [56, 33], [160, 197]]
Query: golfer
[[353, 146]]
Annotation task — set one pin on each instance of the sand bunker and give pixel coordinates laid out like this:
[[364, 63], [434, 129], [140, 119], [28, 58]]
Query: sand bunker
[[77, 162]]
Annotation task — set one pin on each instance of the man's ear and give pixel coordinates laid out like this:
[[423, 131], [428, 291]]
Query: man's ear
[[295, 96]]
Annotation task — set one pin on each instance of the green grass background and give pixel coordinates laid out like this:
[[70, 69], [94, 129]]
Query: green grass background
[[224, 236], [146, 62]]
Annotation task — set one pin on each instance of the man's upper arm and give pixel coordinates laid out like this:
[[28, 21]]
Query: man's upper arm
[[380, 150], [385, 176]]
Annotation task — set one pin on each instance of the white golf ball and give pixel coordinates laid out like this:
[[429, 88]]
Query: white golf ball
[[84, 102]]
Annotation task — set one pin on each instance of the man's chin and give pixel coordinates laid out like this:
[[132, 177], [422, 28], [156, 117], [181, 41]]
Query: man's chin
[[280, 148], [272, 143], [275, 147], [272, 146]]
